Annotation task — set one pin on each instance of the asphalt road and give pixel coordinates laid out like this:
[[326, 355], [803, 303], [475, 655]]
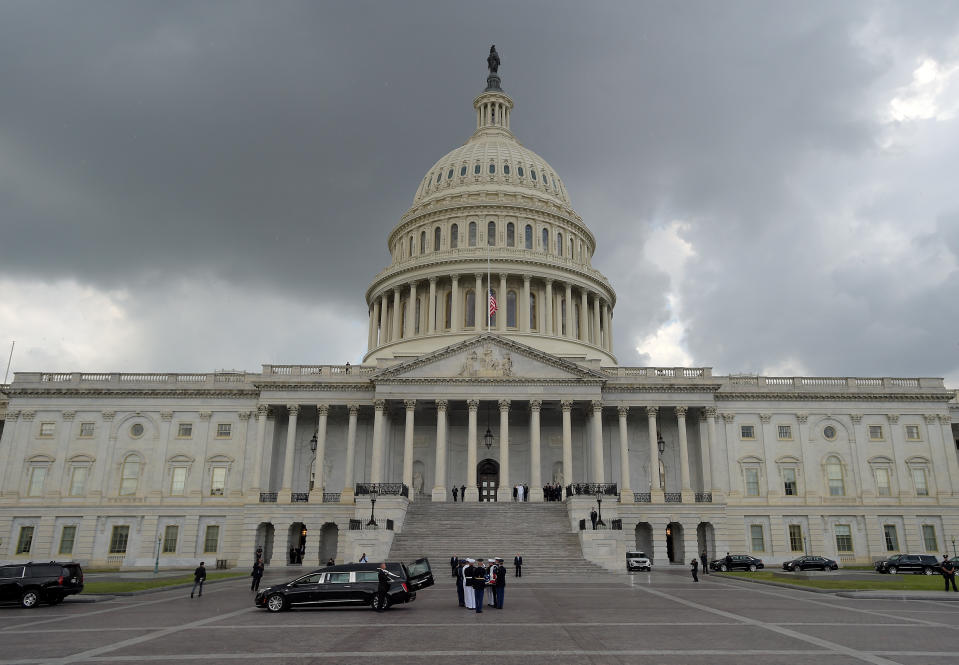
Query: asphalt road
[[658, 618]]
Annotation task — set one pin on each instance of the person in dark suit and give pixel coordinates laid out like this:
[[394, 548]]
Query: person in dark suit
[[458, 571], [479, 584], [694, 568], [499, 591], [455, 490], [454, 564], [256, 575], [525, 492], [463, 492], [518, 565], [593, 516], [705, 562], [199, 577], [384, 579]]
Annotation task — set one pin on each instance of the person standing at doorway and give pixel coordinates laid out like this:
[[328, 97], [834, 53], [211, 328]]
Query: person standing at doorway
[[463, 492], [525, 492], [593, 516], [694, 569], [455, 490], [256, 575], [518, 565], [199, 577], [703, 559]]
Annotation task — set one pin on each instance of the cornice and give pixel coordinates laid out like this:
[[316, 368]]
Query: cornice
[[661, 388], [505, 380], [316, 387], [824, 396], [146, 392]]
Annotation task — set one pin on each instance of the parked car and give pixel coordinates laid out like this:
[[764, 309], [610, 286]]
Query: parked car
[[29, 584], [810, 563], [926, 564], [347, 584], [736, 562], [638, 561]]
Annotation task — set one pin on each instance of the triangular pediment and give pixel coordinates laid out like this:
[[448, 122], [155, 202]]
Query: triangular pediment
[[489, 357]]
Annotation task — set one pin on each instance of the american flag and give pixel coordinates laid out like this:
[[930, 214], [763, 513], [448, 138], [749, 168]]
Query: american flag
[[492, 304]]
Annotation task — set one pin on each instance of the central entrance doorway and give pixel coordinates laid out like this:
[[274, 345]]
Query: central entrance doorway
[[487, 479]]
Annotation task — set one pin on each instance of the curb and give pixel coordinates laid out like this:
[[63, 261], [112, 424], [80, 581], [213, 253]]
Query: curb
[[856, 595], [90, 598], [143, 592]]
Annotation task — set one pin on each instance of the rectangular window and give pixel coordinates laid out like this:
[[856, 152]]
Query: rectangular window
[[882, 482], [875, 432], [756, 535], [789, 482], [25, 540], [795, 538], [184, 430], [224, 430], [752, 482], [912, 432], [929, 538], [38, 475], [129, 477], [78, 481], [48, 429], [87, 430], [67, 537], [118, 539], [178, 484], [170, 533], [892, 537], [843, 538], [747, 431], [218, 481], [212, 539], [919, 480], [785, 432]]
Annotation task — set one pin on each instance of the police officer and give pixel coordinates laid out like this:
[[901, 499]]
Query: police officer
[[948, 572]]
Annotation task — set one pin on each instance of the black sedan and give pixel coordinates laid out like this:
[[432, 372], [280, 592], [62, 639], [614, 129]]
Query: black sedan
[[810, 563], [736, 562], [347, 584]]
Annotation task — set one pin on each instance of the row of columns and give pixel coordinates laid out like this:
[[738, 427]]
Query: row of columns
[[595, 314], [493, 114]]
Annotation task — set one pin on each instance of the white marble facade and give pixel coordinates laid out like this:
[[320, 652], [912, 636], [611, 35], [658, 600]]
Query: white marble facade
[[127, 469]]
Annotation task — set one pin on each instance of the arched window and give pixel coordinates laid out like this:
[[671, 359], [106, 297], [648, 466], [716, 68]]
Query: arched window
[[562, 315], [532, 311], [403, 319], [462, 170], [545, 240], [529, 236], [559, 244], [532, 173], [519, 170], [505, 169], [470, 313], [449, 174], [422, 242], [436, 239], [576, 320], [837, 487], [411, 246], [491, 234], [448, 313], [511, 309], [416, 325], [129, 475], [510, 235], [570, 248], [472, 233], [492, 169], [454, 235], [545, 180], [476, 169]]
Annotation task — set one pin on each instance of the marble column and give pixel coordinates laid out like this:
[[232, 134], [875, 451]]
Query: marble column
[[583, 316], [570, 330], [166, 419], [567, 407], [439, 479], [479, 303], [952, 459], [346, 496], [431, 314], [598, 466], [410, 405], [707, 447], [625, 492], [384, 317], [505, 490], [597, 338], [654, 487], [58, 469], [371, 341], [472, 494], [524, 309], [397, 315], [316, 494], [258, 475], [535, 472], [501, 302], [548, 318], [687, 489], [376, 459], [411, 312], [455, 323], [606, 344], [286, 487]]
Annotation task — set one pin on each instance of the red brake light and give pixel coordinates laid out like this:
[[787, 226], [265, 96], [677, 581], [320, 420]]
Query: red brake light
[[60, 580], [405, 588]]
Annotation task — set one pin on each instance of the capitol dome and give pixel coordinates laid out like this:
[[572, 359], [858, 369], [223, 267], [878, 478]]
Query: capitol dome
[[491, 216]]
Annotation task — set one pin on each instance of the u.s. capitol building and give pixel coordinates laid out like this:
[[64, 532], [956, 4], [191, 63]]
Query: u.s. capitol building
[[132, 469]]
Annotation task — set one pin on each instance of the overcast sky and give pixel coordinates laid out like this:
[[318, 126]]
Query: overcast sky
[[189, 186]]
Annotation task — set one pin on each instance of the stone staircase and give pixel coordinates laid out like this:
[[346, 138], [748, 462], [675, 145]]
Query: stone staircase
[[538, 531]]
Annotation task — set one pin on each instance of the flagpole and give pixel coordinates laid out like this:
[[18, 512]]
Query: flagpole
[[9, 360], [489, 289]]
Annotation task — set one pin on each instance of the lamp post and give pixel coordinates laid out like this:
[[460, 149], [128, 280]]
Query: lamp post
[[372, 521], [954, 546], [661, 444], [488, 437], [599, 504], [156, 562], [313, 443]]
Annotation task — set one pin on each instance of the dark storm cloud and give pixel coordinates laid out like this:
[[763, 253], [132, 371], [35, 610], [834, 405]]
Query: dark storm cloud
[[164, 147]]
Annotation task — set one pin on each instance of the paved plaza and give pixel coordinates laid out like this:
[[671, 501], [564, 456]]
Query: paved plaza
[[659, 618]]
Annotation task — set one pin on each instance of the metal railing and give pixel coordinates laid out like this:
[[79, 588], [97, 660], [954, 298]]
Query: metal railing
[[673, 497], [267, 497], [608, 489], [394, 489], [704, 497], [357, 525], [300, 497], [331, 497], [642, 497]]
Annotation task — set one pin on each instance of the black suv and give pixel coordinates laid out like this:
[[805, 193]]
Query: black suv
[[736, 562], [926, 564], [347, 584], [31, 583]]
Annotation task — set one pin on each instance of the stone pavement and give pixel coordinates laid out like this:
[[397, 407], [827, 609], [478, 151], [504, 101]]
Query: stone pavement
[[661, 617]]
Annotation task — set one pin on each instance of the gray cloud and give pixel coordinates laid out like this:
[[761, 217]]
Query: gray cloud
[[251, 158]]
